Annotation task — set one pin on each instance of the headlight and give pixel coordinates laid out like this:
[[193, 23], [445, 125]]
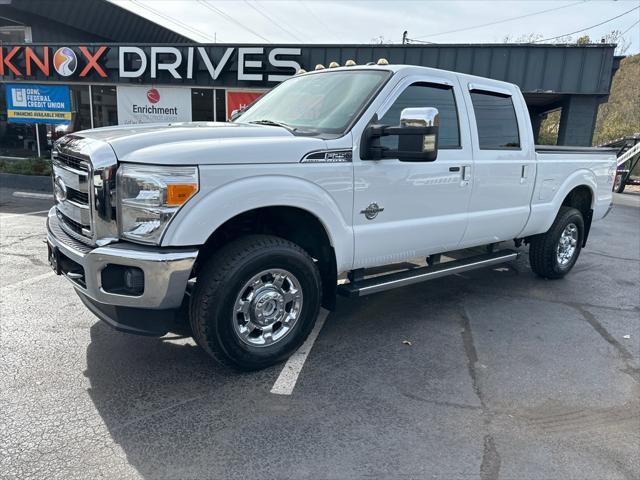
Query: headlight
[[149, 197]]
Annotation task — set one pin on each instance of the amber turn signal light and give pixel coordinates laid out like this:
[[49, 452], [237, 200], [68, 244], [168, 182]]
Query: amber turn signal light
[[179, 193]]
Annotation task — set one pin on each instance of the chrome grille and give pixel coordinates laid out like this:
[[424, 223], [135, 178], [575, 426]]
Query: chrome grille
[[73, 162], [71, 176], [71, 224], [84, 177], [69, 240], [77, 196]]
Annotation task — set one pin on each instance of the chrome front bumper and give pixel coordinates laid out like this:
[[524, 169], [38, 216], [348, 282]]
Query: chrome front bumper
[[166, 270]]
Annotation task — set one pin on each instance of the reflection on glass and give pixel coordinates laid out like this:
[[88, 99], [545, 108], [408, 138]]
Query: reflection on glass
[[105, 106], [201, 105]]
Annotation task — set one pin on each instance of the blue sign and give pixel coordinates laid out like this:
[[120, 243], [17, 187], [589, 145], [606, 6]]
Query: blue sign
[[29, 103]]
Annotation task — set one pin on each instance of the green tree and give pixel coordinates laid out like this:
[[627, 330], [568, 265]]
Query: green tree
[[620, 116], [549, 127]]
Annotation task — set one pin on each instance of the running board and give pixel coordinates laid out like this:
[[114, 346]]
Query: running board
[[422, 274]]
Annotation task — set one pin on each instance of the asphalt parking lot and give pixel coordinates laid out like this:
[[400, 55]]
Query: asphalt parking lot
[[507, 376]]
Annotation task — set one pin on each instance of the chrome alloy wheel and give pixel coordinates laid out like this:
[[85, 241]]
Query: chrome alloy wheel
[[567, 244], [267, 307]]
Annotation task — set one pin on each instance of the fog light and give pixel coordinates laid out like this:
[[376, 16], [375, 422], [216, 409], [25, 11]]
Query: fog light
[[134, 280], [123, 280]]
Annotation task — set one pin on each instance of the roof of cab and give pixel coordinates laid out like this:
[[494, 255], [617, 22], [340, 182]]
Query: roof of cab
[[412, 69]]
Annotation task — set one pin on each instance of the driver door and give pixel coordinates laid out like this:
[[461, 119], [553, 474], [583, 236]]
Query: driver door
[[421, 206]]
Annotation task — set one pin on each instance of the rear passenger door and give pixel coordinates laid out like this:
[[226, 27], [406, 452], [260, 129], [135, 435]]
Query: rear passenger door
[[503, 164]]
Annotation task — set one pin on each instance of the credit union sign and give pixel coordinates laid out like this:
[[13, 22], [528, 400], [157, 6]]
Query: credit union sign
[[30, 103]]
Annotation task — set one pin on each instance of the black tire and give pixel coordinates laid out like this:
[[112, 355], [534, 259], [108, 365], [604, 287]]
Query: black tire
[[620, 183], [543, 248], [221, 280]]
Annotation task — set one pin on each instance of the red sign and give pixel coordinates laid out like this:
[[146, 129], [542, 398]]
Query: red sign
[[237, 100]]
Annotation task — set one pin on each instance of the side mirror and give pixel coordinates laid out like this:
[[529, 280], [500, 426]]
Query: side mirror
[[417, 137]]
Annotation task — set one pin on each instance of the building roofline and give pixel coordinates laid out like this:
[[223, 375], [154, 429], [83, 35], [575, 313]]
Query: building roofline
[[130, 12], [97, 18], [339, 45]]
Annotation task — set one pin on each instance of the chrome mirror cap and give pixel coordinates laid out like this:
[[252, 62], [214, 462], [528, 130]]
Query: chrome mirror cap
[[420, 117]]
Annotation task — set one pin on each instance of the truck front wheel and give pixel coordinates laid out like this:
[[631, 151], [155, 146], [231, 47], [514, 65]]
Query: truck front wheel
[[554, 253], [255, 301]]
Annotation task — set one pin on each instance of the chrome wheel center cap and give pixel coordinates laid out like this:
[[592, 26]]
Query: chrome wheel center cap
[[268, 307], [567, 244]]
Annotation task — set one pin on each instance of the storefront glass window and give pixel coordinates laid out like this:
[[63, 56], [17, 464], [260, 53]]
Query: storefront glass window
[[202, 105], [80, 116], [221, 105], [16, 139], [15, 34], [105, 106], [80, 108]]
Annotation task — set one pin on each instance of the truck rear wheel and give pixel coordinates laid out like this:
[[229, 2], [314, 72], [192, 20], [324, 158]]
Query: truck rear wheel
[[255, 302], [554, 253]]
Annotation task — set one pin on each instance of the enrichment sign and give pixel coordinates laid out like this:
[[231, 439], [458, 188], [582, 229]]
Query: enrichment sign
[[138, 104], [29, 103]]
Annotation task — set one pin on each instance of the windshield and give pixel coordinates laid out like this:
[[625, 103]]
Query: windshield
[[326, 102]]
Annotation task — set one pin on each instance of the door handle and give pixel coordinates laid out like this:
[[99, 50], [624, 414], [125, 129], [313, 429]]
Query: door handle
[[454, 169], [466, 175], [523, 174]]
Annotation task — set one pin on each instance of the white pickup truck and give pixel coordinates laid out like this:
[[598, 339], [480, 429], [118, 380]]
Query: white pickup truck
[[243, 230]]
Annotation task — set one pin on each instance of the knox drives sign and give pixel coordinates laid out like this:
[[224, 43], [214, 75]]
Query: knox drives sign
[[154, 64]]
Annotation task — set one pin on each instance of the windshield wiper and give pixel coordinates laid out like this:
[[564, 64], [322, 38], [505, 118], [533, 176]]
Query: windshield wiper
[[273, 123]]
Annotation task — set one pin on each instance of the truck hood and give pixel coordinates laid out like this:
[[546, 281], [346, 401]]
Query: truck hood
[[200, 143]]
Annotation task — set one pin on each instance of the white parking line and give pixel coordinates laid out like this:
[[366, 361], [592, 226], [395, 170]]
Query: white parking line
[[45, 196], [26, 281], [288, 377], [14, 215]]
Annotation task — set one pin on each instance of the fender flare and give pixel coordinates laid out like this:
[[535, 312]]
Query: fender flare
[[580, 178], [211, 208]]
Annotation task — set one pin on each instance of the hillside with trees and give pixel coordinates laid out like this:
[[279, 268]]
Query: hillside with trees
[[617, 118], [620, 116]]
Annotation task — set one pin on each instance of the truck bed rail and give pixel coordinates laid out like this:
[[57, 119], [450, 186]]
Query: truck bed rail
[[566, 149]]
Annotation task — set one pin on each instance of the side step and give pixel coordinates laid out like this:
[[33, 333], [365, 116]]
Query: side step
[[422, 274]]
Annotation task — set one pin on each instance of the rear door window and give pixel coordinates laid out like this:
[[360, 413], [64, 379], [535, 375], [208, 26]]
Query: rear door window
[[496, 120]]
